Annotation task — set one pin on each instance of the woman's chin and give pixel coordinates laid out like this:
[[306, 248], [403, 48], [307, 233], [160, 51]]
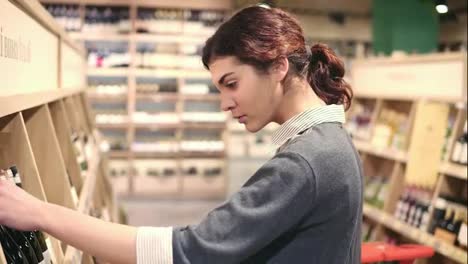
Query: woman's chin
[[252, 127]]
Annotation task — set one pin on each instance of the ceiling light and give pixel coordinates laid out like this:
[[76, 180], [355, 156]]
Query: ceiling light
[[442, 9]]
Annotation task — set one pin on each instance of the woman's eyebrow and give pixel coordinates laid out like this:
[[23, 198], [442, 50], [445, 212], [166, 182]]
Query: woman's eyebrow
[[221, 80]]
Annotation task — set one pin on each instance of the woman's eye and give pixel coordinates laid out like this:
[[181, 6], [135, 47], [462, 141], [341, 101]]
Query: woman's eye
[[231, 84]]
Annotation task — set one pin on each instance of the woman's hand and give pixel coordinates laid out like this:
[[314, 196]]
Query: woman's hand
[[19, 209]]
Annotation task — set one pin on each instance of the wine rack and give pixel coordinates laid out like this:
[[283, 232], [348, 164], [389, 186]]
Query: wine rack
[[43, 119], [144, 59], [405, 130]]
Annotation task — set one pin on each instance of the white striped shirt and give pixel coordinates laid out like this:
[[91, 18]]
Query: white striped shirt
[[309, 118]]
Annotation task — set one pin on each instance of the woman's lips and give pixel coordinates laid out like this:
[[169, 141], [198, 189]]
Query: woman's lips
[[242, 119]]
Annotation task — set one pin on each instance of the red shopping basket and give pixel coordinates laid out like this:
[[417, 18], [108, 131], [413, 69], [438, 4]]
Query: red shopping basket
[[406, 254]]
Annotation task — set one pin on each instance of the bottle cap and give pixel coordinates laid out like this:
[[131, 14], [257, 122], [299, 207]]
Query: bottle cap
[[440, 203], [14, 170]]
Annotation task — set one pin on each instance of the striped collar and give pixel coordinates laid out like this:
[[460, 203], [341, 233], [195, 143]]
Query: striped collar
[[307, 119]]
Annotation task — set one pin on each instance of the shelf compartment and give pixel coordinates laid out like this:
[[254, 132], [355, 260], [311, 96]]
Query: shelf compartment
[[201, 97], [63, 132], [454, 170], [106, 97], [173, 73], [160, 185], [202, 186], [159, 97], [51, 166], [108, 72], [385, 153], [416, 234], [16, 150]]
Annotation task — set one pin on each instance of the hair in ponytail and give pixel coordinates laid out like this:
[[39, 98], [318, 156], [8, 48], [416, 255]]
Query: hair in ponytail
[[259, 36], [325, 76]]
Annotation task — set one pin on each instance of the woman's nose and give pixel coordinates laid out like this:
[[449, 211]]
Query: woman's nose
[[227, 103]]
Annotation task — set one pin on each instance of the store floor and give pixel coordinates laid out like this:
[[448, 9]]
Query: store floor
[[141, 212]]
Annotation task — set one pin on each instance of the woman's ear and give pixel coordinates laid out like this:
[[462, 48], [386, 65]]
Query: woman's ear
[[280, 69]]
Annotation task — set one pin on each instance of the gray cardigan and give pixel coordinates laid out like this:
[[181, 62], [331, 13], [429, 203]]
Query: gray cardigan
[[302, 206]]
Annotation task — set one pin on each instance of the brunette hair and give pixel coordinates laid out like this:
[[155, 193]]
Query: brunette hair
[[259, 36]]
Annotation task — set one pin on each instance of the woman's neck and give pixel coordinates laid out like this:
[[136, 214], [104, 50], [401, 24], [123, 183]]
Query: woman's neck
[[296, 99]]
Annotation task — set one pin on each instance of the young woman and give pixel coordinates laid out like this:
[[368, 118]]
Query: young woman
[[303, 206]]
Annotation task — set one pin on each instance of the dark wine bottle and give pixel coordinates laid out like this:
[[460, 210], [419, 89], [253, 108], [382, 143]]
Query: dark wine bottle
[[12, 253], [29, 235], [23, 245]]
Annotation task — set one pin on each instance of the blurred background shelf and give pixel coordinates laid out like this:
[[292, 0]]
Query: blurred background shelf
[[415, 234]]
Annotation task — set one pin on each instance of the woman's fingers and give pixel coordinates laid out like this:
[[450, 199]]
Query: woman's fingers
[[18, 209]]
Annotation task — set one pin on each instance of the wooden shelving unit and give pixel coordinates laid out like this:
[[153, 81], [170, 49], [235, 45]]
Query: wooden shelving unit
[[132, 99], [417, 161], [38, 114], [421, 237]]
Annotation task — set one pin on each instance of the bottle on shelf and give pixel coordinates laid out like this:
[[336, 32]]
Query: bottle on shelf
[[35, 238], [438, 215], [442, 231], [13, 253], [459, 154], [462, 235]]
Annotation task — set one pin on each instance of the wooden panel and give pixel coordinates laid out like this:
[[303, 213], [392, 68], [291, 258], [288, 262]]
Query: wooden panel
[[62, 129], [427, 139], [25, 49], [48, 156], [82, 114], [72, 114], [17, 103], [431, 76], [16, 150], [72, 68]]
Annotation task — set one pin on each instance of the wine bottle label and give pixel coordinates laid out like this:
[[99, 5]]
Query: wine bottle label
[[46, 256], [17, 180], [49, 254], [463, 154], [445, 235], [463, 235], [456, 152], [74, 194]]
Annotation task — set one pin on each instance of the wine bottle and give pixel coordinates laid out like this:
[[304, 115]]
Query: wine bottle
[[11, 250], [23, 244], [31, 236], [442, 231]]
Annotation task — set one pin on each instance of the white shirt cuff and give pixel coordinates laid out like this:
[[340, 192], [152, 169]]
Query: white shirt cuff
[[154, 245]]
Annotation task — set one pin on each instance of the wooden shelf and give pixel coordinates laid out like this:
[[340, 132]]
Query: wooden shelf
[[205, 125], [174, 97], [106, 97], [173, 73], [118, 154], [454, 170], [201, 97], [108, 72], [175, 155], [415, 234], [160, 97], [101, 36], [387, 153], [157, 126], [170, 38], [196, 4], [199, 125], [113, 126]]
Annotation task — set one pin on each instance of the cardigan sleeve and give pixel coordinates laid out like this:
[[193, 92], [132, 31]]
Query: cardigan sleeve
[[271, 203]]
